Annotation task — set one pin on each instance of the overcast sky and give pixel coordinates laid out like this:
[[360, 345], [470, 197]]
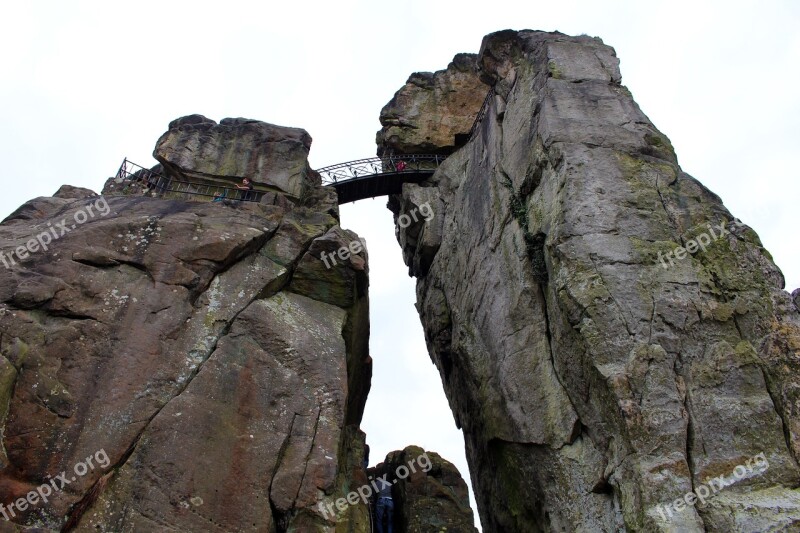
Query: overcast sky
[[85, 84]]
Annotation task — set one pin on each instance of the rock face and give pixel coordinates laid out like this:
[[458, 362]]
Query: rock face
[[432, 110], [76, 193], [429, 493], [188, 366], [604, 376], [197, 148], [173, 365]]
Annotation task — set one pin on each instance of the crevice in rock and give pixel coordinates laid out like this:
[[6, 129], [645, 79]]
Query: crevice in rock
[[6, 409], [603, 487], [249, 248], [777, 404], [308, 456], [112, 263], [534, 243], [664, 204], [611, 295], [134, 443], [279, 517], [79, 508], [71, 315], [576, 429], [690, 434]]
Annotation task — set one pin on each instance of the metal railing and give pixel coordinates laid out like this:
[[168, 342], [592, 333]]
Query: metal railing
[[136, 178], [481, 113], [156, 184], [396, 164]]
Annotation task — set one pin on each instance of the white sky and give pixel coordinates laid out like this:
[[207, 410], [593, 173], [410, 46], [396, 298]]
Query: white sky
[[85, 84]]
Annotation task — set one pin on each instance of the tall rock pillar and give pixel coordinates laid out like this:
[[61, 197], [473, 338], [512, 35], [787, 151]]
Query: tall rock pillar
[[617, 347]]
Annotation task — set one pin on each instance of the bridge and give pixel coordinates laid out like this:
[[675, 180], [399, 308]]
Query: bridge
[[378, 176], [353, 180]]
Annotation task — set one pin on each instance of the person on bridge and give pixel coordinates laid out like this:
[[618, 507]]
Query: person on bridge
[[385, 510], [245, 186], [400, 166]]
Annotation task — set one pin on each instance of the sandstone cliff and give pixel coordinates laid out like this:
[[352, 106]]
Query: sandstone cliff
[[613, 340], [196, 147], [201, 353], [433, 111], [175, 364]]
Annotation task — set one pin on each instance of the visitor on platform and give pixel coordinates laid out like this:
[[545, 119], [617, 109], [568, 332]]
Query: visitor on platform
[[385, 510], [247, 188]]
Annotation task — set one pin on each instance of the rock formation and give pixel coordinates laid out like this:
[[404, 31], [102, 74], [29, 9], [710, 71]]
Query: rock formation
[[204, 348], [186, 365], [614, 340], [428, 491], [616, 346], [433, 111], [197, 148]]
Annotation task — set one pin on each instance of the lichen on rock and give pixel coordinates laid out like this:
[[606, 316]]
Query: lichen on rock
[[597, 378], [198, 344]]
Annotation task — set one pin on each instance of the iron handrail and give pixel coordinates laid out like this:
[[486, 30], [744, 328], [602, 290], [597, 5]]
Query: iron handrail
[[481, 113], [331, 175], [161, 185], [394, 164]]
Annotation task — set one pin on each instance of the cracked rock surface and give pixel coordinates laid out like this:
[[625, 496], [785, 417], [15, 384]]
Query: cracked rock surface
[[432, 109], [203, 347], [196, 148], [597, 378]]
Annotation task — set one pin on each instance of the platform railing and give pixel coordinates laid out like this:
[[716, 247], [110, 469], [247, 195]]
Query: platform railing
[[136, 178], [482, 113], [396, 164]]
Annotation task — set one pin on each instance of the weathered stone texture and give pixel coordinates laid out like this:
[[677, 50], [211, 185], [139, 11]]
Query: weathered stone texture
[[595, 379], [202, 346], [428, 492], [196, 148], [432, 109]]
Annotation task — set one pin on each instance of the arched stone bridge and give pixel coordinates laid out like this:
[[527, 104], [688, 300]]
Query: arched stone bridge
[[378, 176]]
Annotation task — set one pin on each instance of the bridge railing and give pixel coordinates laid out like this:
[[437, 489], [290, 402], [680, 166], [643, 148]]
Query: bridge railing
[[396, 164], [481, 113], [137, 179]]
